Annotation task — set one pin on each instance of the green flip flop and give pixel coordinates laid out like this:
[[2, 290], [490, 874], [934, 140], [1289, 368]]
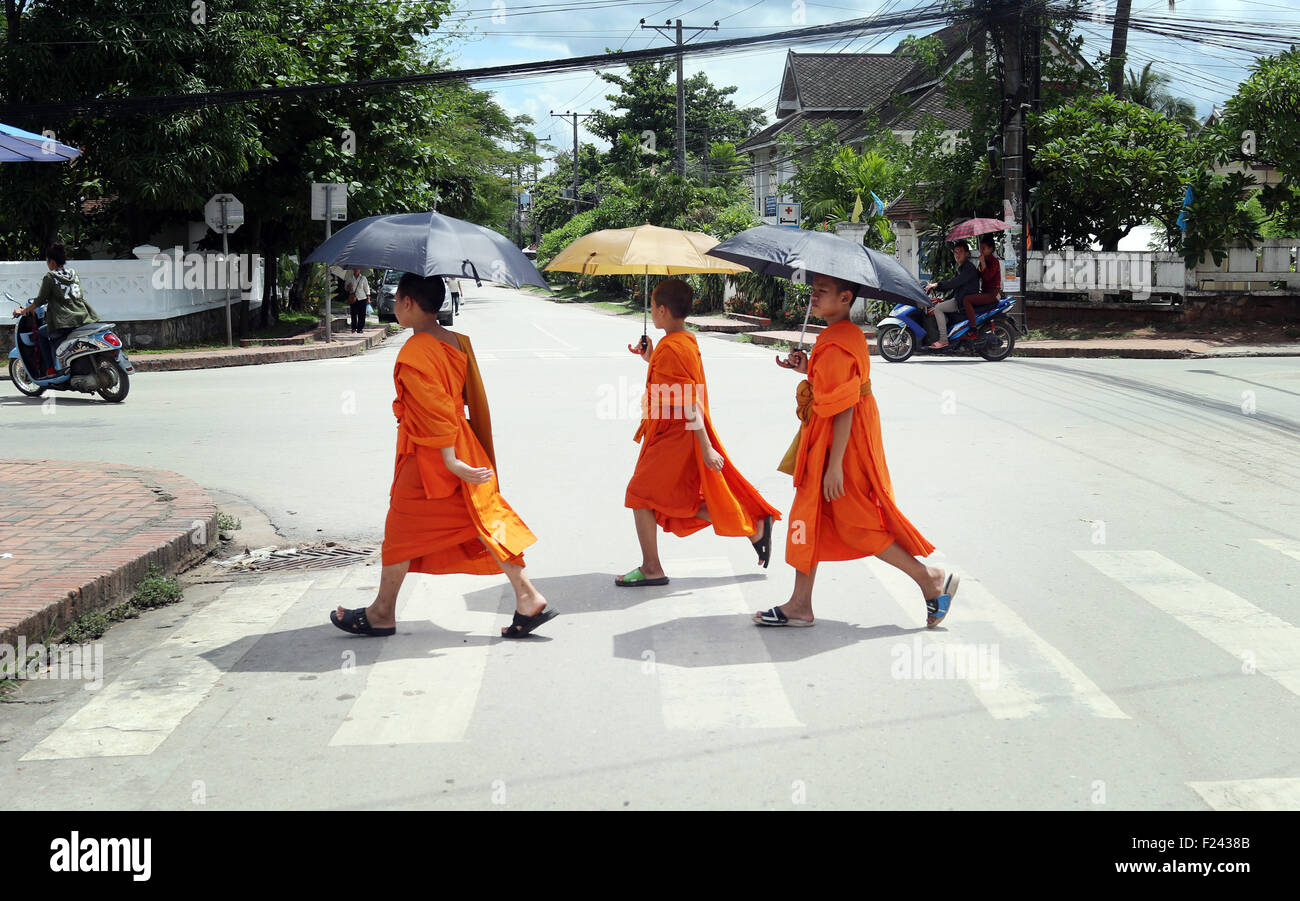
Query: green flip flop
[[637, 579]]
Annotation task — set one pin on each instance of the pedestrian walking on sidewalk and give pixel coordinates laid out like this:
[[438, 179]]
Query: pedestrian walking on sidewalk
[[358, 288]]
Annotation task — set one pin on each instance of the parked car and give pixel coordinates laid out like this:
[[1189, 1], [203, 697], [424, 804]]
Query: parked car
[[388, 296]]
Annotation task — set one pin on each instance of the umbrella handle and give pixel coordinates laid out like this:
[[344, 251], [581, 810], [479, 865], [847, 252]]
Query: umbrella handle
[[478, 282]]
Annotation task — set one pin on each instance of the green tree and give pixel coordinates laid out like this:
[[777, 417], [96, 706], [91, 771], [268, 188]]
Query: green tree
[[1261, 126], [1151, 89], [1106, 166], [642, 129]]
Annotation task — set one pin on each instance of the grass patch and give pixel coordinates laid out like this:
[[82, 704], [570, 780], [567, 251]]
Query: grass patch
[[574, 294], [623, 308], [227, 523], [154, 590]]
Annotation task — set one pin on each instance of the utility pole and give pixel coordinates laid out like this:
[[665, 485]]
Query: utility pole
[[575, 149], [681, 91], [1010, 16]]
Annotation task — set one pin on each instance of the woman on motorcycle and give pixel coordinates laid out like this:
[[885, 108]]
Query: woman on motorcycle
[[65, 308], [990, 271]]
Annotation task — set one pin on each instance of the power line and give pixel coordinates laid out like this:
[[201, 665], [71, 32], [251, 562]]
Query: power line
[[927, 15]]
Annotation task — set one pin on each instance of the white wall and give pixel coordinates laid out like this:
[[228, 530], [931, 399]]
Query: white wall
[[123, 290]]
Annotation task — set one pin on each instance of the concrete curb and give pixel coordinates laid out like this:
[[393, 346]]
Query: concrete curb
[[1139, 349], [174, 541], [254, 356]]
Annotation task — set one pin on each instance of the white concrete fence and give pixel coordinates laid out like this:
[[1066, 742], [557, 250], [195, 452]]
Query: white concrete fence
[[129, 290], [1144, 273]]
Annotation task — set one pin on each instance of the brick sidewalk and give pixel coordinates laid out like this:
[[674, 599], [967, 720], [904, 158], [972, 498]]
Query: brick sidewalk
[[83, 535]]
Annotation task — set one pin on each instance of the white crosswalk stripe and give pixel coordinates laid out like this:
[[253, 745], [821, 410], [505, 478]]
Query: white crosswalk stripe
[[1029, 673], [1282, 545], [738, 696], [1261, 641], [136, 712], [425, 699], [1250, 794]]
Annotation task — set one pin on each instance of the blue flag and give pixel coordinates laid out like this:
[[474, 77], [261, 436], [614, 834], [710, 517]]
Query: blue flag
[[880, 204], [1187, 205]]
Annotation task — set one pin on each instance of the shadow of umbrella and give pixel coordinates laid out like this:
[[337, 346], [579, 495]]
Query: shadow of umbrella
[[594, 593], [319, 649], [729, 641]]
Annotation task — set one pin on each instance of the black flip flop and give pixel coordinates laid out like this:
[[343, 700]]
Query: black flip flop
[[355, 622], [764, 548], [523, 625]]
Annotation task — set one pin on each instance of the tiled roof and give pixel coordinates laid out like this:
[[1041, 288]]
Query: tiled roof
[[918, 108], [846, 80], [905, 209], [847, 123]]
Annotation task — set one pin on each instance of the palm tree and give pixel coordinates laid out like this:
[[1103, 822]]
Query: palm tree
[[1150, 89], [857, 176], [1119, 44]]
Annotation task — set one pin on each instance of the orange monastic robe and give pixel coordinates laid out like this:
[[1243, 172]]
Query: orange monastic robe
[[671, 478], [435, 519], [865, 520]]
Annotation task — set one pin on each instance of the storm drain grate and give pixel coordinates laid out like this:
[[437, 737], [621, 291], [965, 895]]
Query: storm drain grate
[[325, 556]]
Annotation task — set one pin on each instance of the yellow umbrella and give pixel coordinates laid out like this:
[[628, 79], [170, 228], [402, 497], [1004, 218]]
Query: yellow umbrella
[[645, 250]]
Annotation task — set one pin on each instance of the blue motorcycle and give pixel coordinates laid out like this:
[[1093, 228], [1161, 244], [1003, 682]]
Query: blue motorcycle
[[89, 359], [904, 332]]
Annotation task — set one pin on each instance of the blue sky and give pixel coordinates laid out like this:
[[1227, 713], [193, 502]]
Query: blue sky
[[513, 31]]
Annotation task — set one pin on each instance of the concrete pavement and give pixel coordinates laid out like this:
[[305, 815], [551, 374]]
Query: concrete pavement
[[1124, 637]]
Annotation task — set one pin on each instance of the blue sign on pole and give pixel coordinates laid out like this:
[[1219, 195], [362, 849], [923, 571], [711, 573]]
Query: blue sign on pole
[[769, 206]]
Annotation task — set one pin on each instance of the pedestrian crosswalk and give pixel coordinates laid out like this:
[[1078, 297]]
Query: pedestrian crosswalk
[[708, 670]]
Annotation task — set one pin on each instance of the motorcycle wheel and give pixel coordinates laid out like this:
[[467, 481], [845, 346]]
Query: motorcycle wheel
[[119, 384], [22, 380], [896, 343], [998, 343]]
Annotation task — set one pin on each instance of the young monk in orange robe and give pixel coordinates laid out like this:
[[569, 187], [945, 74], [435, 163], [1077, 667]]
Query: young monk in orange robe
[[684, 480], [445, 514], [844, 502]]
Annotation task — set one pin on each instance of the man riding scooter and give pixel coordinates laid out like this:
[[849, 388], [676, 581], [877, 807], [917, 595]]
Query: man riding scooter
[[65, 308], [966, 281]]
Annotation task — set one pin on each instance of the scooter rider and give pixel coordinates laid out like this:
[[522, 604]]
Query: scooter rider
[[66, 309], [966, 281]]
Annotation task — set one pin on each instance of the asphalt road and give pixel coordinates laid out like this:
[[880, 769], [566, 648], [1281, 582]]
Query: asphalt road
[[1126, 635]]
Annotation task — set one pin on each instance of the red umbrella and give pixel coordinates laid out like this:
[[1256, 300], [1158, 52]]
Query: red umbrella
[[972, 227]]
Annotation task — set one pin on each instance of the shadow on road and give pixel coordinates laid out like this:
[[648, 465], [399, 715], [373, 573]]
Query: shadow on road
[[595, 592], [729, 641]]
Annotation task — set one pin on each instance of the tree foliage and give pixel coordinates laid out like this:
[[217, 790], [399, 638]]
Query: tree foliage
[[1106, 166]]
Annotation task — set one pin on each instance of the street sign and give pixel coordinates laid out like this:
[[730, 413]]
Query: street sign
[[788, 215], [234, 213], [769, 205], [338, 201]]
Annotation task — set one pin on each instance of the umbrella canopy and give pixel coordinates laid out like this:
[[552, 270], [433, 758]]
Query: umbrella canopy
[[18, 146], [430, 244], [791, 253], [972, 227], [644, 250]]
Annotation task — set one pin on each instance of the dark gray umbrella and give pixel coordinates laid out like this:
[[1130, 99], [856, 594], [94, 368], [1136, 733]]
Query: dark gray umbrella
[[799, 254], [430, 244]]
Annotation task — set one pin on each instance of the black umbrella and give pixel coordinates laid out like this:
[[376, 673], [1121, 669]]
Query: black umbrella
[[430, 244], [798, 254]]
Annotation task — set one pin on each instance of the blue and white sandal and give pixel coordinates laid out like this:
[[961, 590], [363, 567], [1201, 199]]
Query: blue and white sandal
[[774, 617], [938, 607]]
